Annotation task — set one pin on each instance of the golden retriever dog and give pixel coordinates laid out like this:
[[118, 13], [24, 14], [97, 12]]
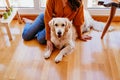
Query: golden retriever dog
[[63, 37], [63, 33]]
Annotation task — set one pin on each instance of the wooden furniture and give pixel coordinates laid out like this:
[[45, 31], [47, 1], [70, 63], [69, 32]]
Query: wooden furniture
[[113, 4], [6, 22]]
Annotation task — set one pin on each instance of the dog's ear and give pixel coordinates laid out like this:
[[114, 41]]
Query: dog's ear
[[51, 22], [68, 23]]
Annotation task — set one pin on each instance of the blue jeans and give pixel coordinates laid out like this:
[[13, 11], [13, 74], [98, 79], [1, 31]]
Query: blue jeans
[[35, 29]]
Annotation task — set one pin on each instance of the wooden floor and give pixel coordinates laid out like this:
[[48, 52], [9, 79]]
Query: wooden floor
[[92, 60]]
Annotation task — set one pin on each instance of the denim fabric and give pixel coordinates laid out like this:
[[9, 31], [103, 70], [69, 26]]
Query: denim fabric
[[35, 29], [41, 37]]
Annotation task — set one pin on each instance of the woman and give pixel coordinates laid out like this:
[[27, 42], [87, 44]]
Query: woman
[[72, 9]]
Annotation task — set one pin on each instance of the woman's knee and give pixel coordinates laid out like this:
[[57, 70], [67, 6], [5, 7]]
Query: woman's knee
[[26, 37], [26, 34], [39, 22], [41, 17]]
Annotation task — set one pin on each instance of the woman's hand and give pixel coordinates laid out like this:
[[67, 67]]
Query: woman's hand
[[49, 45], [85, 37]]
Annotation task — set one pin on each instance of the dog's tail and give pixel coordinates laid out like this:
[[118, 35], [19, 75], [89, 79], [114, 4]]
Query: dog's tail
[[91, 23]]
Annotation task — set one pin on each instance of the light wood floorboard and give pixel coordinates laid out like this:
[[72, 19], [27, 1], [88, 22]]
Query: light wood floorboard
[[95, 59]]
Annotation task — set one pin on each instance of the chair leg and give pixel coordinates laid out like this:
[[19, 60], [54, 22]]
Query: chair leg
[[112, 13], [8, 32]]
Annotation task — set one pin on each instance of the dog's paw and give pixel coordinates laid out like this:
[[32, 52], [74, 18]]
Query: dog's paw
[[47, 54], [58, 58]]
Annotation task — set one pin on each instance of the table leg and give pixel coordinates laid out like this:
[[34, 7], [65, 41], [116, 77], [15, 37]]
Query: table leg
[[8, 32], [112, 13]]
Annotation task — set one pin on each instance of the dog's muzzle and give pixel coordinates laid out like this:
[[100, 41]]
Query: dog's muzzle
[[59, 33]]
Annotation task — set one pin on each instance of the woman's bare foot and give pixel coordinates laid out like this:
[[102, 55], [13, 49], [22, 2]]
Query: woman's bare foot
[[25, 20]]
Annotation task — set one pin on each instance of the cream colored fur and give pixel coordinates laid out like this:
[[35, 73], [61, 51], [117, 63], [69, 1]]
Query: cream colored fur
[[91, 23], [66, 40]]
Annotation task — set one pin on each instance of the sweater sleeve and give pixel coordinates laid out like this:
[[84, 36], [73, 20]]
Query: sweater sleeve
[[79, 20], [48, 16]]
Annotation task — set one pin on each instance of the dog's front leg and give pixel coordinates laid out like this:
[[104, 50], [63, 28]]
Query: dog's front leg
[[63, 52], [48, 53]]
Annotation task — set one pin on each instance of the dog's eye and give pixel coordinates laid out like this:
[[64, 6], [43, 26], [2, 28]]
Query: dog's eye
[[63, 25], [56, 24]]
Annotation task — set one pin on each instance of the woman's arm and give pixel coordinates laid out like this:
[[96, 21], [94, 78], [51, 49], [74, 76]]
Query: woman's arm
[[78, 22], [48, 16]]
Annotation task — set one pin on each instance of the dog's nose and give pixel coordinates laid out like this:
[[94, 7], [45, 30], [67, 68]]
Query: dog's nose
[[59, 33]]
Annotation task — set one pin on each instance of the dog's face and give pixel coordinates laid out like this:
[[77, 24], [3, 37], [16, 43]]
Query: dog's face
[[60, 26]]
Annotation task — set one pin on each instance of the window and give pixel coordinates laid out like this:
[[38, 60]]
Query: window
[[22, 3], [42, 3], [38, 6], [95, 9], [18, 3], [93, 4], [2, 4], [33, 7]]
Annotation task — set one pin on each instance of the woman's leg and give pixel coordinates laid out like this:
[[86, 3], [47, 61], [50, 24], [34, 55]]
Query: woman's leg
[[31, 29], [41, 37]]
